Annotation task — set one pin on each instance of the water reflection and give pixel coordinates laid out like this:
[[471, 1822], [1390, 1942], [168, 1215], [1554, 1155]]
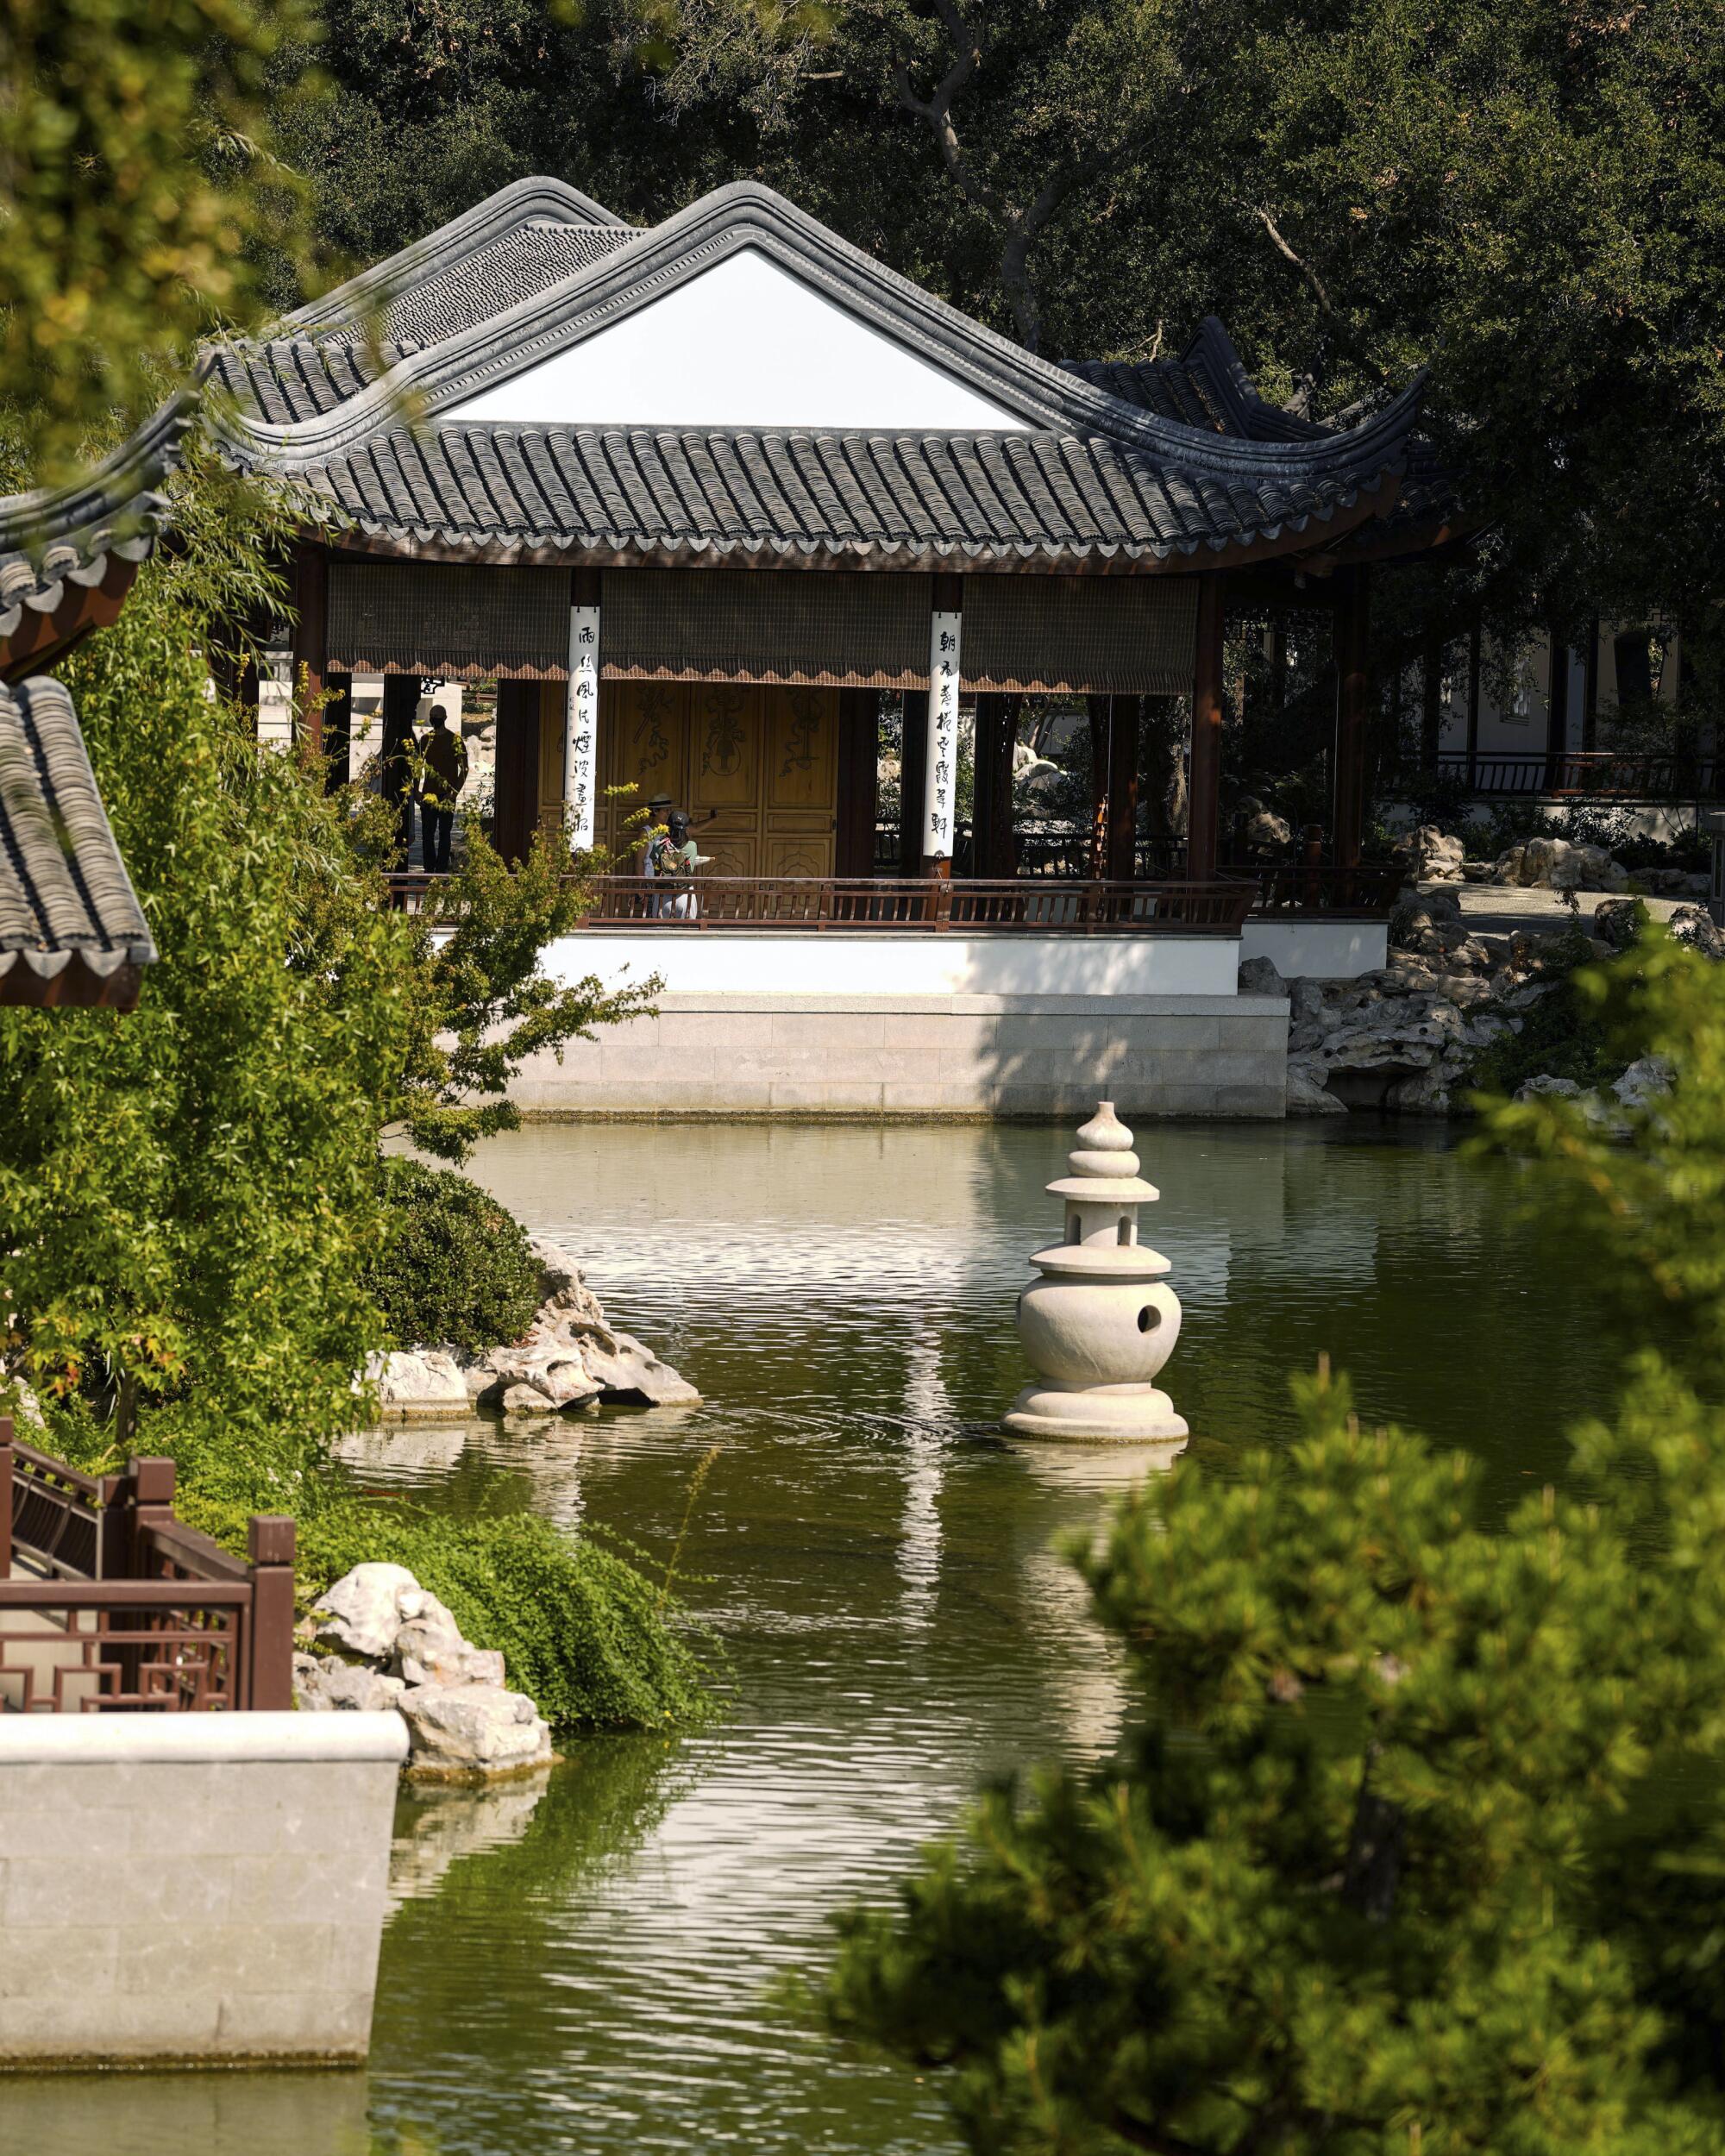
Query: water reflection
[[584, 1971]]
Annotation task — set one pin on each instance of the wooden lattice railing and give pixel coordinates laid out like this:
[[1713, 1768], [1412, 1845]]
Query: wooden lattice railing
[[107, 1602], [1038, 906]]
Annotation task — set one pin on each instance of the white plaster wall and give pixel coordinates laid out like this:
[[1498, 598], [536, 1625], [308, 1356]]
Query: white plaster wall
[[745, 344], [695, 961], [196, 1887], [1331, 951]]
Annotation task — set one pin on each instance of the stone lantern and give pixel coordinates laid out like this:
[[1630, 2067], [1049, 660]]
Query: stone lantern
[[1101, 1321]]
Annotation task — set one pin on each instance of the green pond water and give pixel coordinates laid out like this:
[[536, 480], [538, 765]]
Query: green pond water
[[585, 1965]]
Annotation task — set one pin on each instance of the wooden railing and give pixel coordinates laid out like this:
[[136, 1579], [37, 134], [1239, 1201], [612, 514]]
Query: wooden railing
[[1365, 894], [107, 1602], [1060, 850], [1044, 903], [1033, 905], [1615, 775]]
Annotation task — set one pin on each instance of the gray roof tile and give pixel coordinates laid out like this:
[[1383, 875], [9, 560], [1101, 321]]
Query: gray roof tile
[[71, 926]]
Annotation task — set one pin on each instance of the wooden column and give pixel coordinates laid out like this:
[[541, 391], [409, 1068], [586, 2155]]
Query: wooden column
[[269, 1545], [516, 815], [1123, 718], [310, 638], [912, 777], [400, 705], [1431, 700], [1589, 689], [859, 748], [1473, 658], [992, 850], [1354, 711], [1204, 799], [1557, 707]]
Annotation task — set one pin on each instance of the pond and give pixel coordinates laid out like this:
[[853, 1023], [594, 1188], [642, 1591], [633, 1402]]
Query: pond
[[586, 1966]]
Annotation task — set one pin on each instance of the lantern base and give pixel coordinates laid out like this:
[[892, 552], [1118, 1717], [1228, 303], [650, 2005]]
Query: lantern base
[[1096, 1414]]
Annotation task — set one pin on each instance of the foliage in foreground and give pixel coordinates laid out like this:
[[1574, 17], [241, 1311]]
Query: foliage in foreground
[[457, 1268], [192, 1218], [1418, 1843]]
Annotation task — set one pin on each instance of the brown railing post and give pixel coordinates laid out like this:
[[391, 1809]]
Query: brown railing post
[[269, 1543], [152, 1505], [6, 1497]]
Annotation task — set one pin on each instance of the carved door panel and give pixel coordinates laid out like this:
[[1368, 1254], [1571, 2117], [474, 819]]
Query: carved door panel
[[724, 761], [644, 734], [802, 782]]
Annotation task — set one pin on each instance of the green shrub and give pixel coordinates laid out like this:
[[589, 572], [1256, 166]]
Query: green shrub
[[582, 1631], [456, 1268]]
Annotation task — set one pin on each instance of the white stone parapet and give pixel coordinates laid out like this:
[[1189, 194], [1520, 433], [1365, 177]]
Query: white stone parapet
[[202, 1889]]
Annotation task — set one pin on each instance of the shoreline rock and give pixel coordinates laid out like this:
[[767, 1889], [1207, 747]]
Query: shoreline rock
[[571, 1356], [388, 1643]]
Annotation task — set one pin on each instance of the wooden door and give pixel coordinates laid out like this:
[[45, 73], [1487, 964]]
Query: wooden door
[[725, 782], [801, 813], [644, 742]]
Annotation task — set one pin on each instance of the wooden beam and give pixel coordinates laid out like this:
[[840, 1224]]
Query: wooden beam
[[1354, 712], [1204, 801], [41, 639]]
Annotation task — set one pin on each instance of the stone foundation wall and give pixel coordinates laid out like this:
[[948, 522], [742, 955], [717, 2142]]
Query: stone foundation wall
[[881, 1057], [204, 1888]]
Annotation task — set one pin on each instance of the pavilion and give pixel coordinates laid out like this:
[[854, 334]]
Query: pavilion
[[695, 495]]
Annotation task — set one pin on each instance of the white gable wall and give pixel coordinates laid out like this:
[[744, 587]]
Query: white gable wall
[[745, 344]]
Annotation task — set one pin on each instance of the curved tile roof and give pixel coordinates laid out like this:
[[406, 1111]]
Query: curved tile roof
[[70, 927], [1009, 497], [1148, 464], [56, 539]]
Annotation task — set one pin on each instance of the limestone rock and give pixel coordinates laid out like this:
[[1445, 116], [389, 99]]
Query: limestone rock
[[323, 1684], [1559, 866], [422, 1382], [1267, 832], [1618, 922], [1646, 1081], [1432, 855], [572, 1354], [465, 1729], [631, 1371], [527, 1400], [1425, 1093], [1308, 1093], [1258, 977], [1545, 1087], [431, 1651], [1693, 924], [366, 1608]]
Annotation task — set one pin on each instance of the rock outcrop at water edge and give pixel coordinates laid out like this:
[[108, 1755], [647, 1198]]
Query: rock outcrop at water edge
[[571, 1356], [383, 1642]]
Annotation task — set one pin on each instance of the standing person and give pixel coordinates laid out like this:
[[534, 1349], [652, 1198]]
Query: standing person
[[444, 757], [652, 838], [679, 856]]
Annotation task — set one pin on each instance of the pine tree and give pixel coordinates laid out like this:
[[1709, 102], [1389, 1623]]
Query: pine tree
[[1419, 1844]]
